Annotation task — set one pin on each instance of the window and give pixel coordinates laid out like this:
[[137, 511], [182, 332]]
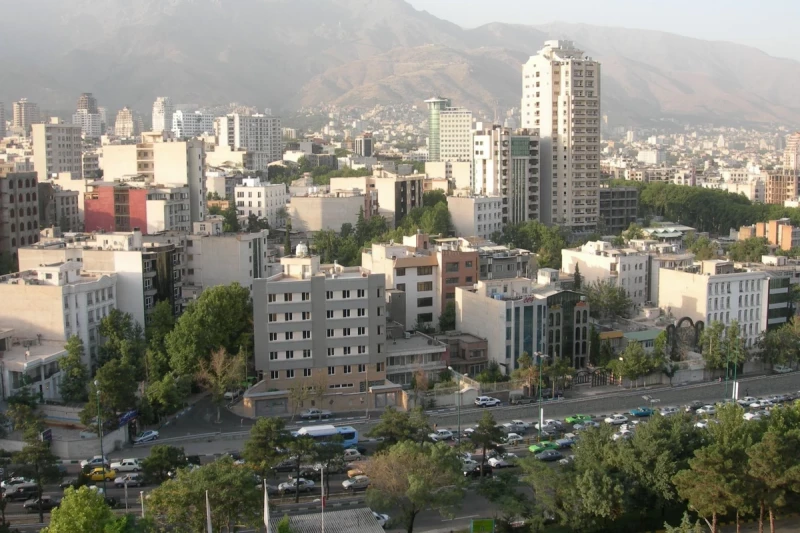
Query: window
[[380, 330], [306, 315], [378, 293], [345, 294], [362, 368], [306, 372], [306, 354], [307, 334], [330, 333], [362, 349], [347, 369], [450, 267], [331, 370], [329, 313], [273, 317], [287, 297], [289, 335], [306, 296], [362, 293], [273, 374], [345, 313], [362, 331], [468, 264], [423, 286], [424, 318], [271, 298], [400, 272], [401, 287], [379, 367], [289, 354], [287, 317], [273, 356], [380, 311], [331, 352], [329, 295], [273, 336], [424, 302], [362, 311], [346, 350], [425, 271], [346, 332], [469, 279], [290, 374], [451, 281]]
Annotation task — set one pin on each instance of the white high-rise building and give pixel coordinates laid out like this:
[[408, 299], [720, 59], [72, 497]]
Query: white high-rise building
[[262, 199], [163, 111], [186, 124], [25, 114], [91, 123], [260, 135], [57, 148], [449, 131], [561, 101], [2, 120], [125, 126]]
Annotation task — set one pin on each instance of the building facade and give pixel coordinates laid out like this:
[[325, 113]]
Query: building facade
[[449, 131], [187, 125], [780, 185], [262, 199], [476, 216], [125, 124], [91, 124], [561, 102], [57, 148], [363, 145], [19, 210], [129, 206], [259, 134], [619, 208], [24, 115], [397, 195], [600, 262], [163, 110], [329, 211]]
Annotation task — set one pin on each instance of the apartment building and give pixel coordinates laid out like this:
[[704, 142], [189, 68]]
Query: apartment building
[[319, 326], [91, 124], [498, 261], [262, 199], [664, 260], [363, 145], [780, 233], [780, 185], [24, 115], [409, 353], [259, 134], [468, 354], [163, 111], [30, 363], [412, 281], [600, 261], [717, 292], [146, 272], [330, 211], [449, 131], [561, 103], [90, 164], [458, 173], [476, 216], [19, 210], [57, 301], [2, 120], [397, 194], [651, 157], [57, 148], [186, 125], [506, 164], [162, 160], [58, 207], [133, 204], [125, 124], [619, 208], [791, 154]]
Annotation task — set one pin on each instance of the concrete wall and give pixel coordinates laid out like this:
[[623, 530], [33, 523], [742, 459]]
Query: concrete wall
[[315, 213], [75, 449], [118, 161]]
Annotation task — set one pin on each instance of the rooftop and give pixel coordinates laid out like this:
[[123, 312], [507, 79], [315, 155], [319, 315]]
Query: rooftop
[[344, 521], [20, 358], [416, 342]]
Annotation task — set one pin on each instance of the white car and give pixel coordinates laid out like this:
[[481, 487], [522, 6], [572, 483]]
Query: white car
[[513, 439], [518, 426], [707, 410], [126, 465], [782, 369], [761, 404], [97, 460], [703, 424], [746, 401], [566, 460], [624, 434], [668, 411], [752, 416], [440, 434], [146, 436], [550, 423], [15, 481], [297, 485], [469, 464], [356, 483], [487, 401], [382, 519], [507, 460], [616, 419], [585, 425]]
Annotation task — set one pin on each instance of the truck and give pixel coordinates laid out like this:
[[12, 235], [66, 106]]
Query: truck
[[315, 413]]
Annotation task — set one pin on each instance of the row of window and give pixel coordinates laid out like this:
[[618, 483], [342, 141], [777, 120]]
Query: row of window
[[421, 271], [290, 335], [346, 369]]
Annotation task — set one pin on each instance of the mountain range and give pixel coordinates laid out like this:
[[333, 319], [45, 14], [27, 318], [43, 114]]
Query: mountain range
[[285, 54]]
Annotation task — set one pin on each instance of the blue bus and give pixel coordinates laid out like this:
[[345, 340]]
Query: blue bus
[[324, 432]]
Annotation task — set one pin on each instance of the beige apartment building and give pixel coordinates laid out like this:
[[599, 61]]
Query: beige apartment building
[[600, 261], [57, 148], [780, 185], [263, 199], [330, 211], [24, 115], [397, 195], [561, 103]]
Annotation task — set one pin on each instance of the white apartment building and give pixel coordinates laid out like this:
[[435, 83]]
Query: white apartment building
[[187, 125], [449, 131], [168, 209], [600, 261], [458, 173], [125, 125], [258, 134], [330, 211], [57, 301], [262, 199], [24, 115], [163, 160], [413, 274], [716, 292], [57, 148], [506, 164], [476, 216], [30, 364], [91, 124], [90, 164], [651, 157], [2, 120], [163, 111], [561, 102], [791, 155]]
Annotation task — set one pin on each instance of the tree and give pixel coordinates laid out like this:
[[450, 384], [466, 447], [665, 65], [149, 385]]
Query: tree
[[230, 223], [75, 375], [447, 320], [704, 486], [161, 323], [594, 346], [419, 384], [82, 510], [486, 436], [284, 526], [22, 409], [703, 248], [117, 383], [686, 526], [261, 449], [398, 426], [527, 371], [411, 478], [168, 394], [300, 448], [712, 346], [234, 498], [40, 464], [733, 346], [287, 238], [162, 460], [492, 374], [124, 340], [635, 363], [255, 224], [432, 198], [328, 455], [557, 372], [606, 300], [219, 375], [222, 317], [749, 249], [634, 231], [578, 283]]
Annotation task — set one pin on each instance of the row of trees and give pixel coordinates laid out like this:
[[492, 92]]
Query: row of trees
[[546, 241]]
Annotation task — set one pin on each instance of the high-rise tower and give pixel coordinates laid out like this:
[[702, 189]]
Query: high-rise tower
[[162, 114]]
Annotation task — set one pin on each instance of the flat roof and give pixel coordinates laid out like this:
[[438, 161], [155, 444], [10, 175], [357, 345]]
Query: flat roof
[[417, 342], [39, 354], [344, 521]]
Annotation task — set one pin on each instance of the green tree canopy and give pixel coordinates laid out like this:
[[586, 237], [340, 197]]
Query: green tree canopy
[[75, 375], [83, 510], [162, 460], [261, 449], [606, 300], [398, 426]]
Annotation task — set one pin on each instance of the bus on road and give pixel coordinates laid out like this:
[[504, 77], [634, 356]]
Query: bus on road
[[324, 433]]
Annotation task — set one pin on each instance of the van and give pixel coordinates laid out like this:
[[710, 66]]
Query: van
[[23, 492], [351, 454]]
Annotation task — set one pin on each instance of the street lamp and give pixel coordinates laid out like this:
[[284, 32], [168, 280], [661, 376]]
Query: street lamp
[[100, 432], [540, 356], [450, 368]]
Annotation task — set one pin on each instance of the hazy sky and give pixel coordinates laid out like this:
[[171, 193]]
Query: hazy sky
[[770, 25]]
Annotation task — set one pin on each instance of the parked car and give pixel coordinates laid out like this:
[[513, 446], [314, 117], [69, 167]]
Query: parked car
[[746, 401], [22, 492], [550, 423], [752, 416], [286, 466], [469, 463], [351, 454], [762, 403], [97, 460], [707, 410], [567, 442], [668, 411], [101, 473], [476, 471], [14, 481], [566, 460], [382, 519], [45, 503], [127, 465], [513, 439], [506, 460], [782, 369], [232, 394], [549, 455], [356, 483], [542, 446], [616, 419], [586, 424], [69, 482], [641, 411], [146, 436], [517, 426], [622, 434], [441, 434], [297, 485], [691, 407], [487, 401], [132, 480], [577, 419], [315, 413]]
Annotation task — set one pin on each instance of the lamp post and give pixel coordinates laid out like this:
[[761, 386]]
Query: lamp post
[[541, 357], [100, 432], [450, 368], [141, 499]]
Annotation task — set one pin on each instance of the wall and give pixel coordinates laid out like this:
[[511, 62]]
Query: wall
[[130, 283], [324, 213], [118, 161], [32, 309], [99, 212], [74, 449], [138, 209]]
